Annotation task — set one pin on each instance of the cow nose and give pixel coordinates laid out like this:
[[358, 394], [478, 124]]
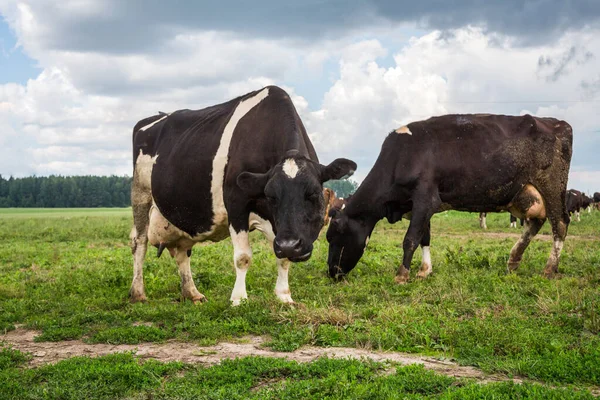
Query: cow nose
[[286, 248]]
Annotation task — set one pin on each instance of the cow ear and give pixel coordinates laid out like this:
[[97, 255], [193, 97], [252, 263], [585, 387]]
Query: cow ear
[[252, 184], [338, 169]]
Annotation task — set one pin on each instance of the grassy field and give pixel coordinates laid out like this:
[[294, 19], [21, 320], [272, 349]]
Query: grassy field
[[67, 273]]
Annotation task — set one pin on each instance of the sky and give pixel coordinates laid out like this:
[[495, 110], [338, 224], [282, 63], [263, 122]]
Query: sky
[[75, 79]]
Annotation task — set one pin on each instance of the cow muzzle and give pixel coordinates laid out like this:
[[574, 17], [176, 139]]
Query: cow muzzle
[[292, 249]]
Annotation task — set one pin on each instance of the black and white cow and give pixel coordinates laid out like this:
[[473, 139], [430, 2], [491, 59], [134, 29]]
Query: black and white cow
[[574, 203], [223, 171], [477, 163]]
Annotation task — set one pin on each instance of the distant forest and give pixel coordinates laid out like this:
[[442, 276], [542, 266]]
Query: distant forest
[[90, 191], [65, 191]]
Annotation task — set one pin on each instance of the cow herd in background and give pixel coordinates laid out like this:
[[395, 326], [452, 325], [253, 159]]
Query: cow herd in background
[[576, 203]]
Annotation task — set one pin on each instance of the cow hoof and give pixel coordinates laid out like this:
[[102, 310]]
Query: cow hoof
[[512, 266], [285, 298], [137, 296], [237, 302], [402, 275], [199, 299], [550, 273], [423, 274], [138, 299]]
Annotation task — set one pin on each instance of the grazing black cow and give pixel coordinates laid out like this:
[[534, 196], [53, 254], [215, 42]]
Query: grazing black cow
[[574, 203], [586, 202], [223, 171], [596, 199], [480, 163]]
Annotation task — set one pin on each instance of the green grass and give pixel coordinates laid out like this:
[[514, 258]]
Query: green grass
[[124, 376], [68, 275]]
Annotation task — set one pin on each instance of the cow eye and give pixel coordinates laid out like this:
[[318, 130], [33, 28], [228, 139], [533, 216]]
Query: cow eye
[[271, 199]]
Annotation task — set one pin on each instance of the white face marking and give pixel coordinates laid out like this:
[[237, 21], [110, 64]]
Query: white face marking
[[220, 160], [403, 130], [151, 124], [290, 168], [343, 206]]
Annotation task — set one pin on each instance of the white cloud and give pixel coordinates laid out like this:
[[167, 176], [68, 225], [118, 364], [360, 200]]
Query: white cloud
[[464, 71], [76, 116]]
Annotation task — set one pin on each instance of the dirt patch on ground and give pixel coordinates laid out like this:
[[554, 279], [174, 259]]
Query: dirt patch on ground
[[51, 352], [515, 236]]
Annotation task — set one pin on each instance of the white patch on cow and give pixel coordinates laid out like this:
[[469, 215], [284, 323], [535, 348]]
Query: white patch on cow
[[426, 267], [220, 160], [403, 130], [578, 216], [290, 168], [343, 206], [367, 241], [144, 164], [513, 224], [151, 124], [555, 253], [242, 255]]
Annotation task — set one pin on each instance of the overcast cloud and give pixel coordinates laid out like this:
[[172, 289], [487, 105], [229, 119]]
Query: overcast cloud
[[355, 70]]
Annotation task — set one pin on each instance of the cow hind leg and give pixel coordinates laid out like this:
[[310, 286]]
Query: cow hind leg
[[559, 218], [482, 220], [188, 287], [139, 245], [532, 227]]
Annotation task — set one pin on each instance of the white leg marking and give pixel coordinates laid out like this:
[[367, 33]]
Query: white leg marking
[[152, 123], [556, 249], [578, 215], [426, 263], [220, 160], [282, 288], [137, 285], [242, 255], [290, 168]]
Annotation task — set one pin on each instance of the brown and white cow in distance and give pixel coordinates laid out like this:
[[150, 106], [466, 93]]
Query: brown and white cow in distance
[[477, 163], [329, 196], [224, 171]]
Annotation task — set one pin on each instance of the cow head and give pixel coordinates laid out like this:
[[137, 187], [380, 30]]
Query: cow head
[[348, 238], [293, 190]]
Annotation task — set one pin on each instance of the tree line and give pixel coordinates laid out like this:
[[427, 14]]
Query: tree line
[[342, 187], [65, 191], [90, 191]]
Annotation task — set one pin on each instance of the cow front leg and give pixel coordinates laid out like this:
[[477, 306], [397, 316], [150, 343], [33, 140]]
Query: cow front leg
[[242, 257], [188, 287], [419, 224], [426, 267], [282, 287]]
